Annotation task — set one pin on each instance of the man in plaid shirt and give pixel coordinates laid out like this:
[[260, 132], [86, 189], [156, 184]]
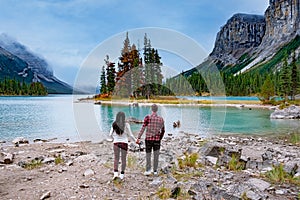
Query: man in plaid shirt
[[154, 133]]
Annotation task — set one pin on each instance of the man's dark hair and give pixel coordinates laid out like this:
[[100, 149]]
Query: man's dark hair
[[154, 108]]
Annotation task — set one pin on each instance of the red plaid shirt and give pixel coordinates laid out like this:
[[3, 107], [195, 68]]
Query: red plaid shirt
[[155, 127]]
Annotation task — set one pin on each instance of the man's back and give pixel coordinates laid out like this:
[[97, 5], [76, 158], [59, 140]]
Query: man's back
[[155, 126]]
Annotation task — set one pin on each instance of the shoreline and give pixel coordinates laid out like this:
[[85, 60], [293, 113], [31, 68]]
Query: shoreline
[[215, 103], [84, 170]]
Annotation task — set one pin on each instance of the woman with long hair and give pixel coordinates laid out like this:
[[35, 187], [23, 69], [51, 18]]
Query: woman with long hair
[[120, 131]]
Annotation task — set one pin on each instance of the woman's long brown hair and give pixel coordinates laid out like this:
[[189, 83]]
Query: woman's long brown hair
[[119, 124]]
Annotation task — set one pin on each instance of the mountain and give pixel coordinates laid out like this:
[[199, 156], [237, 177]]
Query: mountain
[[242, 33], [256, 42], [17, 62]]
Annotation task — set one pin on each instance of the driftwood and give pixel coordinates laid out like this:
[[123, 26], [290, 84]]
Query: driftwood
[[134, 120]]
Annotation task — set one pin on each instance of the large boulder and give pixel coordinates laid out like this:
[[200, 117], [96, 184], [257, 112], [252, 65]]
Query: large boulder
[[20, 140], [292, 112]]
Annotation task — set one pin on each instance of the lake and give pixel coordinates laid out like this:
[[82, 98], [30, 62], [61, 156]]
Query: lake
[[57, 116]]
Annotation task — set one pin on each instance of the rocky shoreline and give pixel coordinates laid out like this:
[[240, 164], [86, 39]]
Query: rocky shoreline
[[191, 167]]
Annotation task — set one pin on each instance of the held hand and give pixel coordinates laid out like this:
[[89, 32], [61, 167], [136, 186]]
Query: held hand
[[138, 141]]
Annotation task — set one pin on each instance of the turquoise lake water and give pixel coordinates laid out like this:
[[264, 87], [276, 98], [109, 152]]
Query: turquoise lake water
[[59, 117]]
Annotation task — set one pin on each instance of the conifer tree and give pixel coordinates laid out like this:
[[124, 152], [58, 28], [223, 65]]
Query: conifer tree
[[137, 73], [103, 86], [267, 89], [126, 59], [295, 78], [285, 78], [152, 69], [147, 67], [110, 75], [24, 88], [14, 87]]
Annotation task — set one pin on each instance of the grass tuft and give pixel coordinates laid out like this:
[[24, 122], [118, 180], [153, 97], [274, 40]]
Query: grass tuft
[[190, 160], [164, 193], [33, 164], [131, 161], [235, 165], [58, 160], [295, 138], [244, 196]]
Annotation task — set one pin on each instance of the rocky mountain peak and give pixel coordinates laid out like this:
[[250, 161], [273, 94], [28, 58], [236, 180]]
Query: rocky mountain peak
[[282, 21], [259, 37], [241, 32]]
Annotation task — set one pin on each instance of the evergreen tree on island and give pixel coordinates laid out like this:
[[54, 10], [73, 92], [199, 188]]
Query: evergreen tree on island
[[133, 78]]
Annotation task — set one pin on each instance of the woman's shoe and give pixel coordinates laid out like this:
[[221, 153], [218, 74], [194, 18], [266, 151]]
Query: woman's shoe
[[147, 173], [116, 175]]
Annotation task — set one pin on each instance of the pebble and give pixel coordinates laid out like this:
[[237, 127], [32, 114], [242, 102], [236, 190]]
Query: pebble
[[45, 195], [88, 172]]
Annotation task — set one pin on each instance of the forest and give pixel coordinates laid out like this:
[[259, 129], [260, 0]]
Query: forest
[[12, 87], [137, 76], [283, 83], [140, 76]]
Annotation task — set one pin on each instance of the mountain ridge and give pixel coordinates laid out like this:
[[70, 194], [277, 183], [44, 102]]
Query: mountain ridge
[[17, 62], [248, 40]]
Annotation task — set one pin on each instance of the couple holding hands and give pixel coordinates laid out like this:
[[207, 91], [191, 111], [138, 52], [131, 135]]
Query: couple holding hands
[[121, 131]]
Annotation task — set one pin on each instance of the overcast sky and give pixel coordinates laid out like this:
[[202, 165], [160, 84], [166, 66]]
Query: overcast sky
[[66, 31]]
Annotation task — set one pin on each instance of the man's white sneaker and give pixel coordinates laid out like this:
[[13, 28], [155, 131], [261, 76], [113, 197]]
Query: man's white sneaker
[[116, 175], [121, 176], [155, 173], [147, 173]]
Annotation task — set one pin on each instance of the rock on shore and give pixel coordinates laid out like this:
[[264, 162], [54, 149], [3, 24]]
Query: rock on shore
[[190, 167], [292, 112]]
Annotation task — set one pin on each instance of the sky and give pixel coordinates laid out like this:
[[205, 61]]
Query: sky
[[65, 32]]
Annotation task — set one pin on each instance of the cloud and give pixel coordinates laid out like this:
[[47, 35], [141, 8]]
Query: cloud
[[66, 31]]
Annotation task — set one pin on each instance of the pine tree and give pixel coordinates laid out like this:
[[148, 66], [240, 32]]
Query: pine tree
[[157, 73], [267, 89], [103, 86], [294, 79], [147, 67], [110, 75], [285, 78], [136, 72], [152, 69], [124, 82], [24, 88]]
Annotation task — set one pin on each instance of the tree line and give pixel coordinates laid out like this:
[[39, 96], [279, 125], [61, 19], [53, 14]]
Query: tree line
[[135, 75], [284, 82], [15, 87], [140, 76]]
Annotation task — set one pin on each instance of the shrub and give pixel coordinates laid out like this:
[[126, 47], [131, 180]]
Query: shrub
[[235, 165], [33, 164], [190, 160], [164, 193], [295, 138], [58, 160], [244, 196], [277, 174]]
